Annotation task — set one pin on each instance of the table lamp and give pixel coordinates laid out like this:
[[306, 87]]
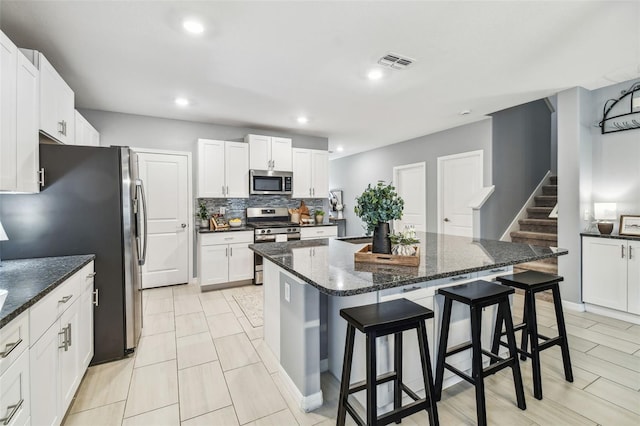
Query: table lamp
[[3, 237], [604, 213]]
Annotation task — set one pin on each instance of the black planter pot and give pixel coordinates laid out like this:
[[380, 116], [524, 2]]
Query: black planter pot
[[381, 242]]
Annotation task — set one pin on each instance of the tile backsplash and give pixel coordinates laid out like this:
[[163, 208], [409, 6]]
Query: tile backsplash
[[236, 207]]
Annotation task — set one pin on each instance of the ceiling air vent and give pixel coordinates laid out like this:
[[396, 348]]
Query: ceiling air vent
[[395, 61]]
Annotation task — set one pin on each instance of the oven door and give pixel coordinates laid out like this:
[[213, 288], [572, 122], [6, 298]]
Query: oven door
[[257, 259]]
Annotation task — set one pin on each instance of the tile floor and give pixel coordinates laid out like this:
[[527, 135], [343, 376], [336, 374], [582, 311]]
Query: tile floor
[[201, 362]]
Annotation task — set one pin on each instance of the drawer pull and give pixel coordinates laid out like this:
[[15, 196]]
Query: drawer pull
[[463, 277], [14, 409], [405, 290], [65, 299], [10, 347], [497, 270], [96, 300], [91, 275]]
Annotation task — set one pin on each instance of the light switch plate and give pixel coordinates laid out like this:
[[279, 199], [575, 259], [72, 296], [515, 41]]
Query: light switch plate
[[287, 292], [222, 210]]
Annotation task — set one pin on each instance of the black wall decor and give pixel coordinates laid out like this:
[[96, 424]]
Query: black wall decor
[[623, 113]]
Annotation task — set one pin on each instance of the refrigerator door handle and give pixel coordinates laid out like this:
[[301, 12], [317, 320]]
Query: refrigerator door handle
[[143, 255]]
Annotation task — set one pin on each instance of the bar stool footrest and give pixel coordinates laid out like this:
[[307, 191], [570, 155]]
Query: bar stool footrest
[[362, 385], [458, 348]]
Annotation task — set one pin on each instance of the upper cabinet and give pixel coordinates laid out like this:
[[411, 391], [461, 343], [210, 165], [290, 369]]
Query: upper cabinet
[[269, 153], [310, 173], [86, 134], [223, 169], [19, 98], [57, 113]]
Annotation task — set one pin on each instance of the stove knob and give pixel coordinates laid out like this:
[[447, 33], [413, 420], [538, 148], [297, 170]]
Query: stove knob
[[262, 231], [268, 231]]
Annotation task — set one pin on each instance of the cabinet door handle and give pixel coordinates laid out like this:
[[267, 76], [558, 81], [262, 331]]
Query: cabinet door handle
[[61, 127], [309, 191], [227, 192], [10, 347], [226, 252], [41, 177], [622, 250], [14, 409], [96, 295], [65, 299], [630, 252], [230, 251], [69, 332], [64, 345]]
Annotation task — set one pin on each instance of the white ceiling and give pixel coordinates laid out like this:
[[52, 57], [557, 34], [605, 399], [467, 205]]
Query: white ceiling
[[263, 63]]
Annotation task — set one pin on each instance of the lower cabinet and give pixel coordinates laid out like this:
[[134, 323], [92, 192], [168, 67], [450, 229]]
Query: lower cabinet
[[60, 356], [616, 286], [14, 392], [225, 257]]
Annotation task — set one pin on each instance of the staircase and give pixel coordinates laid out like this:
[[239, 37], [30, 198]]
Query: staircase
[[540, 230]]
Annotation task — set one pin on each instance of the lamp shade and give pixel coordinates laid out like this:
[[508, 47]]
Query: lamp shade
[[605, 211], [3, 235]]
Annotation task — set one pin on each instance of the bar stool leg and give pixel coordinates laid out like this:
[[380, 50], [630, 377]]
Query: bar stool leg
[[346, 375], [476, 363], [513, 353], [397, 365], [497, 335], [532, 331], [566, 360], [372, 388], [442, 348], [525, 329], [427, 376]]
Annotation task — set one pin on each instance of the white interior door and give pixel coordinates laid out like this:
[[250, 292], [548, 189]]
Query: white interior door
[[459, 179], [410, 181], [166, 178]]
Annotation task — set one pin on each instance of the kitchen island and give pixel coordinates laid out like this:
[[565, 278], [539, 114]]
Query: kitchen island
[[306, 283]]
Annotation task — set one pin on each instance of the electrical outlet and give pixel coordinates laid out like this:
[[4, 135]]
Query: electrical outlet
[[222, 210], [287, 292]]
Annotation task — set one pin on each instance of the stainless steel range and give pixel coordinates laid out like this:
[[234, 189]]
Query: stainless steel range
[[270, 225]]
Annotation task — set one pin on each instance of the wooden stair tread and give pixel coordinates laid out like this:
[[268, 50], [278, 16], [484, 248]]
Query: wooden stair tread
[[535, 235]]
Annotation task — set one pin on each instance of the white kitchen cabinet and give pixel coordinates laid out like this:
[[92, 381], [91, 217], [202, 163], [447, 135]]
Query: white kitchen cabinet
[[19, 101], [269, 153], [58, 354], [616, 286], [15, 393], [57, 103], [85, 133], [223, 169], [310, 173], [314, 232], [225, 257]]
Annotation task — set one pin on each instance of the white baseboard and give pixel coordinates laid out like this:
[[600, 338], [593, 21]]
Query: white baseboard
[[573, 306], [306, 403], [612, 313]]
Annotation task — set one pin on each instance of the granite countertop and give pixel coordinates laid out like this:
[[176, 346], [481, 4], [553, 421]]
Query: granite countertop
[[29, 280], [611, 236], [333, 271]]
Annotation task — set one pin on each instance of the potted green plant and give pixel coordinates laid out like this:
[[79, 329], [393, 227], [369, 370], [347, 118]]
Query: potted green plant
[[319, 213], [403, 243], [376, 206], [203, 215]]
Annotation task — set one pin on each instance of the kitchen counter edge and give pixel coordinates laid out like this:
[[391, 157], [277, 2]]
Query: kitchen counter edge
[[35, 278]]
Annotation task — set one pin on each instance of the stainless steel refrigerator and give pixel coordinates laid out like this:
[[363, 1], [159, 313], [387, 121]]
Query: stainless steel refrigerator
[[92, 202]]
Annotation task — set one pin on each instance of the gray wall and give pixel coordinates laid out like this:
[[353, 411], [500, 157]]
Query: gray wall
[[521, 158], [352, 174]]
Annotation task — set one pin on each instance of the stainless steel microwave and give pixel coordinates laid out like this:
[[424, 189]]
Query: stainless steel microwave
[[264, 182]]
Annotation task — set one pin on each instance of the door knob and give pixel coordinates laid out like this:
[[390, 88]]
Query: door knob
[[184, 225], [446, 219]]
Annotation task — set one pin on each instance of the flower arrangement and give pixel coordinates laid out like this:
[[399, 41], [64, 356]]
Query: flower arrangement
[[403, 243], [378, 204]]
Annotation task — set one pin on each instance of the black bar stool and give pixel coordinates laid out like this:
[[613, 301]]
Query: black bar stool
[[478, 295], [376, 320], [533, 282]]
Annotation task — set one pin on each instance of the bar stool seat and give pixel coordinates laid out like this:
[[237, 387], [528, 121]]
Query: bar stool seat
[[478, 295], [533, 282], [376, 320]]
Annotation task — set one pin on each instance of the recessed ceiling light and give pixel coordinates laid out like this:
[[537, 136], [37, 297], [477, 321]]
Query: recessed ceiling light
[[465, 112], [374, 74], [193, 27], [340, 149], [303, 120], [182, 102]]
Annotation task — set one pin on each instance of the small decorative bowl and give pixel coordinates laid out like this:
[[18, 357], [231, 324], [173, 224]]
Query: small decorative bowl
[[235, 224]]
